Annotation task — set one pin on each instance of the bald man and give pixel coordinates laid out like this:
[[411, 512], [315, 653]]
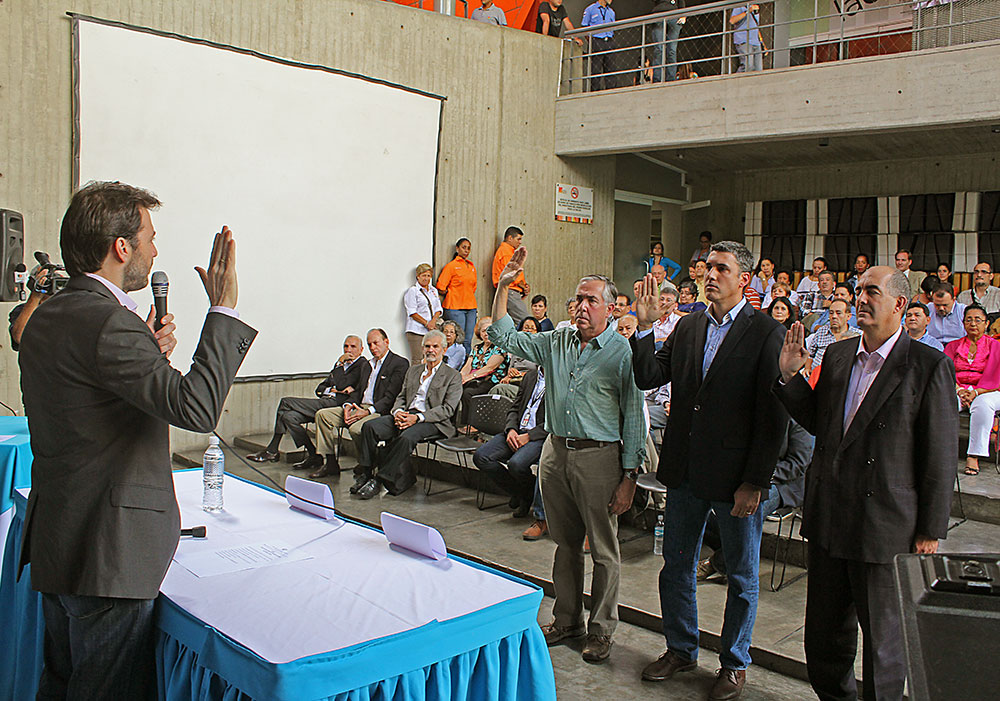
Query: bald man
[[660, 275], [345, 383]]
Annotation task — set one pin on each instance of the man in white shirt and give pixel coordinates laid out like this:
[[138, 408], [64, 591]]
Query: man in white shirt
[[423, 411], [664, 326], [384, 384], [982, 292], [810, 283]]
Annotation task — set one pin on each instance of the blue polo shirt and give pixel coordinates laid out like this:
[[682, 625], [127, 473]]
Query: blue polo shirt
[[950, 327], [746, 31], [596, 15]]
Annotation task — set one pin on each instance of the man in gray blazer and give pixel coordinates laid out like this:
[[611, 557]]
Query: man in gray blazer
[[102, 521], [423, 410]]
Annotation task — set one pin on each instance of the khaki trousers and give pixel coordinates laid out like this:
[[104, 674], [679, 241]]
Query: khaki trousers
[[577, 486], [415, 341], [327, 423]]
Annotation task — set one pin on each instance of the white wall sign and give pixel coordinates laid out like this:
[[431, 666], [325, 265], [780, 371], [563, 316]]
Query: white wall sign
[[574, 203]]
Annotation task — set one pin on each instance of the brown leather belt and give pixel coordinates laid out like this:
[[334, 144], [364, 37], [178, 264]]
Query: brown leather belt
[[580, 443]]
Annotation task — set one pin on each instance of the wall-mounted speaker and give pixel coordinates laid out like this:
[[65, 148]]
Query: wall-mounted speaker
[[11, 253]]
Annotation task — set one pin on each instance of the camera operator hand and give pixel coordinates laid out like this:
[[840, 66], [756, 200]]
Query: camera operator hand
[[165, 336], [220, 278]]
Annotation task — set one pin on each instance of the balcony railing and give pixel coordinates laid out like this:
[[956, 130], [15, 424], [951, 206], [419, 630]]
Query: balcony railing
[[721, 39]]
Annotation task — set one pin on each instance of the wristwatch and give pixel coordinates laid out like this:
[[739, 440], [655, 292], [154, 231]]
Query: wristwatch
[[632, 474]]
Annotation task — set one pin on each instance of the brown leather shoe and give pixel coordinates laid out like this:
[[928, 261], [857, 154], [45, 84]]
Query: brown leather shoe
[[666, 666], [705, 569], [597, 649], [330, 469], [728, 684], [536, 531], [554, 634]]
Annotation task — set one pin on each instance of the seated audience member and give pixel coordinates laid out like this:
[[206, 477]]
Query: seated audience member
[[784, 278], [518, 446], [837, 329], [841, 291], [927, 285], [656, 257], [820, 299], [423, 411], [517, 367], [763, 276], [787, 490], [783, 311], [345, 383], [977, 376], [423, 310], [687, 298], [454, 357], [944, 272], [623, 306], [810, 282], [570, 321], [660, 275], [483, 369], [982, 291], [903, 262], [539, 310], [861, 264], [627, 325], [700, 270], [916, 320], [384, 383], [947, 320], [664, 326]]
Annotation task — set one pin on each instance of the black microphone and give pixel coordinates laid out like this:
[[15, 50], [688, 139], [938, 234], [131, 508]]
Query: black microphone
[[196, 532], [160, 285], [20, 279]]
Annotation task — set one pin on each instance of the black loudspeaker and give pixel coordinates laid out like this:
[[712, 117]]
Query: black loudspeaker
[[11, 253], [950, 607]]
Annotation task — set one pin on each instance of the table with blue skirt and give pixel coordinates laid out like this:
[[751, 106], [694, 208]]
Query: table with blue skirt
[[353, 619]]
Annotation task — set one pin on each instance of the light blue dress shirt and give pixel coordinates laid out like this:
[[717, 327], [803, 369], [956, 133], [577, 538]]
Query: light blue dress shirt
[[717, 332], [596, 15]]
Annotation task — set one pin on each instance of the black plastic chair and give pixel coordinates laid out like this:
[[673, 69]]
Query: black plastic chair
[[787, 539]]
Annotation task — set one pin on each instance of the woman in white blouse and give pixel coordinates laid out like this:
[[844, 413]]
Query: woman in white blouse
[[423, 311]]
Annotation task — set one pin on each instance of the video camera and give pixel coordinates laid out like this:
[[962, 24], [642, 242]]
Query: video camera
[[53, 282]]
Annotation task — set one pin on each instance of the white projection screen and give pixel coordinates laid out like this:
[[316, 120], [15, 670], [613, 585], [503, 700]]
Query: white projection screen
[[326, 179]]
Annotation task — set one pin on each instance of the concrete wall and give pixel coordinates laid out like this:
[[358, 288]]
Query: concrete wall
[[880, 93], [496, 160], [631, 243]]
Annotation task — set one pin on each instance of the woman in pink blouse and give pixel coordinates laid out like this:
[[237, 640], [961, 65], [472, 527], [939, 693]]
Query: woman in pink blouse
[[977, 378]]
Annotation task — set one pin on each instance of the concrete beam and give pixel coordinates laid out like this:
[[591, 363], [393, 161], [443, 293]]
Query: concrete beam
[[926, 89]]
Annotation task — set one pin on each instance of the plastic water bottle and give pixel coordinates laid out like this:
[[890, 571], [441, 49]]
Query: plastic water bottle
[[658, 535], [214, 466]]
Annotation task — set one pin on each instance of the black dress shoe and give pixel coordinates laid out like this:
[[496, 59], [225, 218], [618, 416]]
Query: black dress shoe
[[522, 510], [263, 456], [359, 482], [330, 469], [370, 489], [311, 461]]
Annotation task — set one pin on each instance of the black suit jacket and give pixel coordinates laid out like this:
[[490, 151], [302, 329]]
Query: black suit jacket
[[726, 429], [870, 491], [538, 433], [389, 382], [355, 375], [102, 518]]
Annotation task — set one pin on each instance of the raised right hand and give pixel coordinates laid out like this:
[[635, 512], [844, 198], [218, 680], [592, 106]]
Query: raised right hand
[[220, 278], [515, 266], [647, 305], [794, 355]]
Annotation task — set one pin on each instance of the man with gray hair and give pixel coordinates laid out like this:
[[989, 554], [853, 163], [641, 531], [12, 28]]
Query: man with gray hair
[[423, 410], [880, 482], [589, 462], [724, 437]]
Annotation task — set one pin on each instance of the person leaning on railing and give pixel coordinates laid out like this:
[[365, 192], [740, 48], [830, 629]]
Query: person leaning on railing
[[747, 40]]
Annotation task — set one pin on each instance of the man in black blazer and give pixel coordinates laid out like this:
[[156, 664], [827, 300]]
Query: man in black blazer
[[881, 480], [719, 452], [424, 409], [102, 521], [345, 383], [519, 445], [388, 371]]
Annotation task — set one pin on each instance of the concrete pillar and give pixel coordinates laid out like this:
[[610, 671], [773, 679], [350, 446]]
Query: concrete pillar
[[782, 15], [446, 7]]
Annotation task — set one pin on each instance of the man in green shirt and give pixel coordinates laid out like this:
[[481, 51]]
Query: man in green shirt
[[596, 443]]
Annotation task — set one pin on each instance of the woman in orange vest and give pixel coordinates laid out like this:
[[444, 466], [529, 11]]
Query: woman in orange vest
[[457, 282]]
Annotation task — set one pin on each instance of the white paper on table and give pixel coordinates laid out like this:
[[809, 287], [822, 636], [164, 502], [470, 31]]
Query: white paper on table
[[313, 491], [413, 536], [5, 438], [207, 563]]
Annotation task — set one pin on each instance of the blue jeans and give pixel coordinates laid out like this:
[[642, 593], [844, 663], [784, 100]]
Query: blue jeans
[[684, 525], [771, 503], [466, 320], [516, 479], [751, 57], [656, 50]]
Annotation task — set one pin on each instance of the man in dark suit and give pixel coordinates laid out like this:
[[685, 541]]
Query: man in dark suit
[[719, 452], [345, 383], [102, 521], [388, 371], [423, 410], [520, 444], [881, 480]]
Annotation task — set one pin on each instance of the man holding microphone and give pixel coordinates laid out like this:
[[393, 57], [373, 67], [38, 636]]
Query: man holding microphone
[[102, 521]]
